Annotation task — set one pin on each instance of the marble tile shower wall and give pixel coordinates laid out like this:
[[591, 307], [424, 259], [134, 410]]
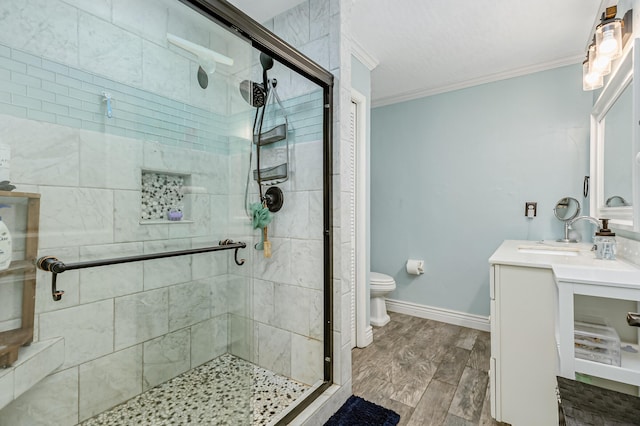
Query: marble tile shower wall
[[276, 313], [120, 47], [129, 327], [126, 327], [304, 112], [321, 30], [276, 305], [278, 319]]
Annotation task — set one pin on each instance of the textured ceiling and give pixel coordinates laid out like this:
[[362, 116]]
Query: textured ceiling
[[438, 45], [424, 47]]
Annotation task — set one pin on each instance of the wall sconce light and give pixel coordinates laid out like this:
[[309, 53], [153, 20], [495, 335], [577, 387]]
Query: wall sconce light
[[609, 38], [591, 78], [600, 63]]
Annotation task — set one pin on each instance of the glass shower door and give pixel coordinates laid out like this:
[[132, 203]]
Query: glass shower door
[[147, 136]]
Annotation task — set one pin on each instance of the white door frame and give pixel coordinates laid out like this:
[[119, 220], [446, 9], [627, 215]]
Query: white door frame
[[360, 176]]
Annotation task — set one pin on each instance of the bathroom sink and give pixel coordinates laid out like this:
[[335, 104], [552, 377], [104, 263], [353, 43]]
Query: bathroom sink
[[554, 251]]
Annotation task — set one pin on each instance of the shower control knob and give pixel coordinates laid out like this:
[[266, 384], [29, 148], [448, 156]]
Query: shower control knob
[[274, 199]]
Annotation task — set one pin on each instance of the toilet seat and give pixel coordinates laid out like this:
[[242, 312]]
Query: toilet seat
[[378, 279]]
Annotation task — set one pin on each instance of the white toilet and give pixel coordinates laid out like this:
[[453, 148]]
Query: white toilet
[[380, 285]]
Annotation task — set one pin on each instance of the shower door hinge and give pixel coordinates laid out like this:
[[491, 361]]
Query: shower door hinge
[[327, 105]]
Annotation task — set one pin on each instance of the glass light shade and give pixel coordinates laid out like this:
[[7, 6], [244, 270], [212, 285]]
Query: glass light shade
[[591, 80], [609, 39], [599, 63]]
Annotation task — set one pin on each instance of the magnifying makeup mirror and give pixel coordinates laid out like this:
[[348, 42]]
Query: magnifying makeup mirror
[[566, 209]]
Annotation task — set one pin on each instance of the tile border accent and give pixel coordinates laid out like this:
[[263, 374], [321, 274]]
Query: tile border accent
[[449, 316]]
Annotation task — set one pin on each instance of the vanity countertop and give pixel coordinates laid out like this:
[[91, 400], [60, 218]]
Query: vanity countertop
[[618, 277], [572, 258]]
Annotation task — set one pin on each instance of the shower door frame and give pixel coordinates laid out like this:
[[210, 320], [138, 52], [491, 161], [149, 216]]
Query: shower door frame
[[265, 41]]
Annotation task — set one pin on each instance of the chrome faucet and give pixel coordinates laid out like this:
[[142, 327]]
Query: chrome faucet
[[569, 223]]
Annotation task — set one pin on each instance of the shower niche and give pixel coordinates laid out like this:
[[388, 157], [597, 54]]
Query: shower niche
[[163, 198]]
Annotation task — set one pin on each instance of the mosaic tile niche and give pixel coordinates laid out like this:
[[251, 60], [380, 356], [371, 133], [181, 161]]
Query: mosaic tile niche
[[162, 196]]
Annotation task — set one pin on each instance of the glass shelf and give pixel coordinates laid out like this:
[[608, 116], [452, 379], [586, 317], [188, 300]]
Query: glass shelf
[[19, 266], [164, 222], [628, 372]]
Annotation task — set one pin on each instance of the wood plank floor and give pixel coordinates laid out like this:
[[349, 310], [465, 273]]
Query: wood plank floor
[[431, 373]]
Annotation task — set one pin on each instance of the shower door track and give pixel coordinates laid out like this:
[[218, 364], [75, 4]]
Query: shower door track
[[56, 266]]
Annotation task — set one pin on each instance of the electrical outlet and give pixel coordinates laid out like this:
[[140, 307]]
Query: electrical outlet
[[530, 209]]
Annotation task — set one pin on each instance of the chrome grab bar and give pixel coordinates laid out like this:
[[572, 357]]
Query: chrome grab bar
[[56, 266]]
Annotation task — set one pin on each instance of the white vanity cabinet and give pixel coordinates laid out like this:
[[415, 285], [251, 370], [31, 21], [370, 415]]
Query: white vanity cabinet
[[532, 324], [523, 349], [621, 285]]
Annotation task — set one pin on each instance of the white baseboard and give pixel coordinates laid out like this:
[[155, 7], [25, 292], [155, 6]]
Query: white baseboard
[[463, 319], [368, 337]]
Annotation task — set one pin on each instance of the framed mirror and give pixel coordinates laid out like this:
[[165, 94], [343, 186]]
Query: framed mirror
[[614, 146], [617, 151]]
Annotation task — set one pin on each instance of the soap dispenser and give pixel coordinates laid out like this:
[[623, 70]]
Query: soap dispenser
[[605, 242]]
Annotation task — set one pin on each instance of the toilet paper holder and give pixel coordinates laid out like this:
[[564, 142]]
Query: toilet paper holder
[[415, 267]]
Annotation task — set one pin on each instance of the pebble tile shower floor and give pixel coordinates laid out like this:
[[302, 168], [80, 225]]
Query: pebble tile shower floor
[[225, 391]]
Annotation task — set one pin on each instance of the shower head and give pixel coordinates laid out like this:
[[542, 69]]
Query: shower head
[[267, 63], [253, 93]]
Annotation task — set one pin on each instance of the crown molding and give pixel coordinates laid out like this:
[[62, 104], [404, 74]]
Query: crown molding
[[518, 72], [363, 56]]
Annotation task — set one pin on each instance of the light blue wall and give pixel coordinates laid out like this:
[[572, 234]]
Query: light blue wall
[[450, 175]]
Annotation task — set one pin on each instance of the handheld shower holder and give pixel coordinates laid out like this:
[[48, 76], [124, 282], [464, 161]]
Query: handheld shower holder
[[106, 97]]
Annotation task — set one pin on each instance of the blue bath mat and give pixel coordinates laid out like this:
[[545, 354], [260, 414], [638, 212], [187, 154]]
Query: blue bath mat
[[357, 411]]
